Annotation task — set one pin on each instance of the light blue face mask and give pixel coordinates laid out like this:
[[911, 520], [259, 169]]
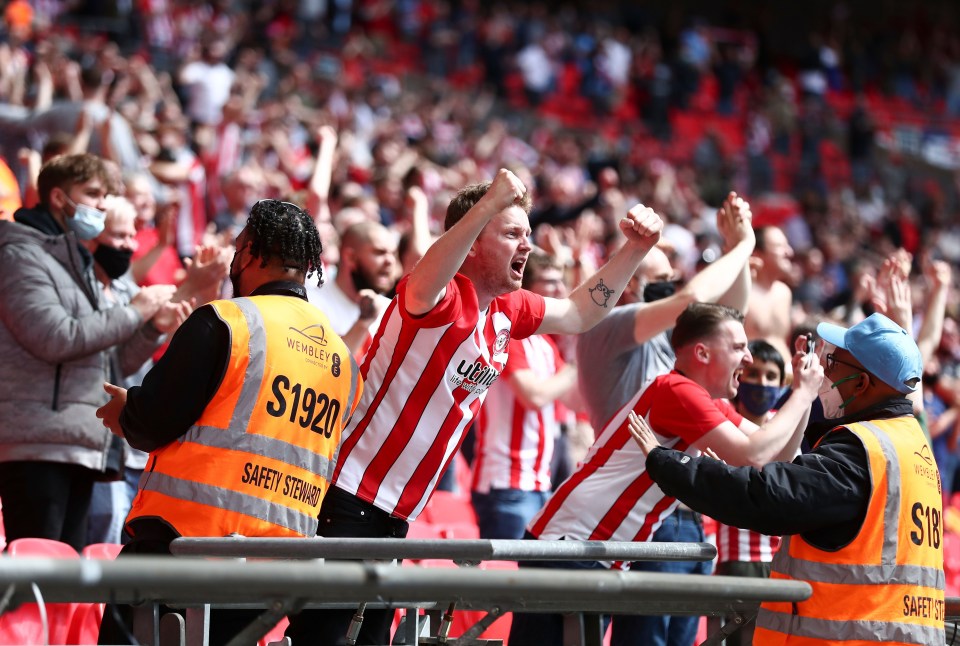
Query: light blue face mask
[[87, 222]]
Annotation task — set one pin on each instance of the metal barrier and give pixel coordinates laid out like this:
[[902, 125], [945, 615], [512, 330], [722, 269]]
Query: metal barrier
[[459, 550], [190, 582]]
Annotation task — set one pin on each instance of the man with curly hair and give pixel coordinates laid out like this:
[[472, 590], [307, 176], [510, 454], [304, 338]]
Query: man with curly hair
[[243, 414]]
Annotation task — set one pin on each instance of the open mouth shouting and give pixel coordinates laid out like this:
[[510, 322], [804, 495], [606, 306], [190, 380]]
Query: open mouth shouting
[[516, 267]]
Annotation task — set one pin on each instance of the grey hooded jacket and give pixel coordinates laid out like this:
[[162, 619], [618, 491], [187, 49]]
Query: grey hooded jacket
[[55, 341]]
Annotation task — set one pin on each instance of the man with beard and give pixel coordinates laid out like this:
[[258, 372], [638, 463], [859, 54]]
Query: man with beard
[[354, 301], [443, 341], [234, 448]]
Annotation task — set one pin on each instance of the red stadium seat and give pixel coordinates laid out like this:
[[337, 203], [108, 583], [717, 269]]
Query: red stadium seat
[[459, 530], [85, 623], [24, 625], [423, 529], [446, 508], [101, 551]]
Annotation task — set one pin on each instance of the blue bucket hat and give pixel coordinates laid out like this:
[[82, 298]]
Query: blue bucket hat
[[882, 347]]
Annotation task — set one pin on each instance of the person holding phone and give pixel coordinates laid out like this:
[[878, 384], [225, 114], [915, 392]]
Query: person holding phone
[[861, 513]]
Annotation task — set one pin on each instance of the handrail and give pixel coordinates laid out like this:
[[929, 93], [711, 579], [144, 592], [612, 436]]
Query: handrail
[[471, 550], [189, 581]]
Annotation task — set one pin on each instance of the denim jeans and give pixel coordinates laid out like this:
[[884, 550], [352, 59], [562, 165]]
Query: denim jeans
[[109, 507], [504, 513], [664, 630], [545, 629]]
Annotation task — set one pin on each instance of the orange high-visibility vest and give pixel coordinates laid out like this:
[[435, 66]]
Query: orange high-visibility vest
[[886, 585], [258, 460]]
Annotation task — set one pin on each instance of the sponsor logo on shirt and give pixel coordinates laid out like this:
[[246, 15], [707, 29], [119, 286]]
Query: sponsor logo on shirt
[[475, 377]]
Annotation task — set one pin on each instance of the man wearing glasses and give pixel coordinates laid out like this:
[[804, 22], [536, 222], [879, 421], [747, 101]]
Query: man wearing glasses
[[861, 513]]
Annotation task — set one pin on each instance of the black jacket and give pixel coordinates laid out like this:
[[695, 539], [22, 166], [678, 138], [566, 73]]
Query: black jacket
[[181, 384], [821, 495]]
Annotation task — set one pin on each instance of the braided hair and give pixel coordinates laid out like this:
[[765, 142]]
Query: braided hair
[[285, 231]]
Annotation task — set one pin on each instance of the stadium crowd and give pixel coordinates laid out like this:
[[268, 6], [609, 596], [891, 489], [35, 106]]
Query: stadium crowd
[[789, 185]]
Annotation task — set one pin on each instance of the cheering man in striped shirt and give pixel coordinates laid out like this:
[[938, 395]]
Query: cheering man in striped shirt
[[441, 344]]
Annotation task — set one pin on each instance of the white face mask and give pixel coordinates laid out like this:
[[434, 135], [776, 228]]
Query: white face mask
[[831, 400]]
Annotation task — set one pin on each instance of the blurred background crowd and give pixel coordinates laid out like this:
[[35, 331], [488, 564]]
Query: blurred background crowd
[[838, 121]]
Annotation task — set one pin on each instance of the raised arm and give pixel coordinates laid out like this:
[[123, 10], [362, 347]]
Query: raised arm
[[938, 276], [428, 280], [318, 190], [716, 283], [596, 296]]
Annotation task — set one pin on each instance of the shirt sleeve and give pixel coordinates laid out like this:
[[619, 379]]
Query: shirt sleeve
[[525, 311], [180, 385], [681, 408], [446, 311], [822, 495]]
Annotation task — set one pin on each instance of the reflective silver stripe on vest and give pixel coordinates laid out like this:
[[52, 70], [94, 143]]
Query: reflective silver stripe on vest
[[347, 409], [256, 351], [234, 501], [354, 383], [860, 574], [891, 513], [267, 447], [837, 631]]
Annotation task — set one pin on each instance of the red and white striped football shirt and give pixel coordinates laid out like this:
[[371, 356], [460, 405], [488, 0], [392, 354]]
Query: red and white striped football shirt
[[515, 443], [735, 544], [610, 496], [425, 379]]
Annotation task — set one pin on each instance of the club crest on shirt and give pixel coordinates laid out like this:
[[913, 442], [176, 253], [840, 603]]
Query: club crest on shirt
[[500, 343]]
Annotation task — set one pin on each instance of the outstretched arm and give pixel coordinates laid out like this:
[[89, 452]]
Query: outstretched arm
[[780, 437], [596, 296]]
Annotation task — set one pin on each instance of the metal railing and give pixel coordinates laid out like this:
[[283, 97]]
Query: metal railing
[[459, 550], [191, 582]]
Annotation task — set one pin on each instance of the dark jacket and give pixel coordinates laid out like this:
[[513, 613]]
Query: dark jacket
[[821, 495]]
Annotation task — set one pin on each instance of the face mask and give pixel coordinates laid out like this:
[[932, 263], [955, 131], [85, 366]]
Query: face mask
[[831, 399], [87, 222], [758, 399], [114, 262], [659, 290]]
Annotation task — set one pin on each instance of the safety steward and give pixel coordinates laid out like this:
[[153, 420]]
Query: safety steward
[[861, 513], [243, 414]]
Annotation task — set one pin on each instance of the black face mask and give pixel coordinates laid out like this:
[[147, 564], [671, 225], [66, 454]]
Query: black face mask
[[660, 290], [114, 262]]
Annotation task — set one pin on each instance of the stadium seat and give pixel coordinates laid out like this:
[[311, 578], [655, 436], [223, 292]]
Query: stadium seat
[[458, 530], [446, 508], [24, 625], [275, 634], [85, 623], [101, 551], [423, 529]]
